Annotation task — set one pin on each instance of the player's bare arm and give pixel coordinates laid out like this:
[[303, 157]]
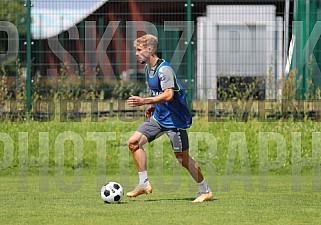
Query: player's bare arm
[[166, 96]]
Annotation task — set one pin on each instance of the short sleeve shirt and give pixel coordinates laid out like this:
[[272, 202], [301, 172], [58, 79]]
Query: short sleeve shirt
[[166, 77]]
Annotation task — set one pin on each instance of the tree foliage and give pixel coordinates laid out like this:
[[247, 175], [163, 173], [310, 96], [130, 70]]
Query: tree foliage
[[14, 11]]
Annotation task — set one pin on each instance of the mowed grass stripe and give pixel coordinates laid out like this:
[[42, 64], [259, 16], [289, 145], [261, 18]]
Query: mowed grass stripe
[[278, 205]]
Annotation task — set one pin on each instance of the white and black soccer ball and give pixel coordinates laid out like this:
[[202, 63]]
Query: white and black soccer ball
[[112, 192]]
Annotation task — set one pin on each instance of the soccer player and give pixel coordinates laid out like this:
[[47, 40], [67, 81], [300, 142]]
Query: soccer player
[[167, 112]]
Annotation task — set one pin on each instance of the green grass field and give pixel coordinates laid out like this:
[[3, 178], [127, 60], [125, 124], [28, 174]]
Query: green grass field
[[252, 178], [278, 205]]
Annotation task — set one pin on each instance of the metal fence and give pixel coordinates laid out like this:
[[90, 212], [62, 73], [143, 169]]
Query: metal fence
[[82, 50]]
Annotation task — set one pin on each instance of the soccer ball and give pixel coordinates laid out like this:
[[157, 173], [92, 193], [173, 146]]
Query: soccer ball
[[112, 192]]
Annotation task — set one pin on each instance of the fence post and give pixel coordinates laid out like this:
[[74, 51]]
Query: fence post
[[189, 54], [28, 80]]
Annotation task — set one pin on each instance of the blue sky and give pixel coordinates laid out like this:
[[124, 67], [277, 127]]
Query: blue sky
[[64, 4], [49, 17]]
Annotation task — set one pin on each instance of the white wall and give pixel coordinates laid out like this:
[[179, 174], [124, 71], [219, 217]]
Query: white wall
[[238, 40]]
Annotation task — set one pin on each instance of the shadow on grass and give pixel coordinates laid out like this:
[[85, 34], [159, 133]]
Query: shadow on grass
[[175, 199], [118, 203]]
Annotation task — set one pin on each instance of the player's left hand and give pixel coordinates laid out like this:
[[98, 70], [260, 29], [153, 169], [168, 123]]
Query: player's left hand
[[135, 101], [149, 111]]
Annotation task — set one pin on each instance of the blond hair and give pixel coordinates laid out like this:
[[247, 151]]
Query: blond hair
[[146, 41]]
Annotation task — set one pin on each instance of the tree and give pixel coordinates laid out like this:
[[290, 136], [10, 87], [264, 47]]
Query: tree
[[14, 11]]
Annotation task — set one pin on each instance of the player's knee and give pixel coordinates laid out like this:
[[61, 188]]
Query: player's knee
[[133, 145]]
